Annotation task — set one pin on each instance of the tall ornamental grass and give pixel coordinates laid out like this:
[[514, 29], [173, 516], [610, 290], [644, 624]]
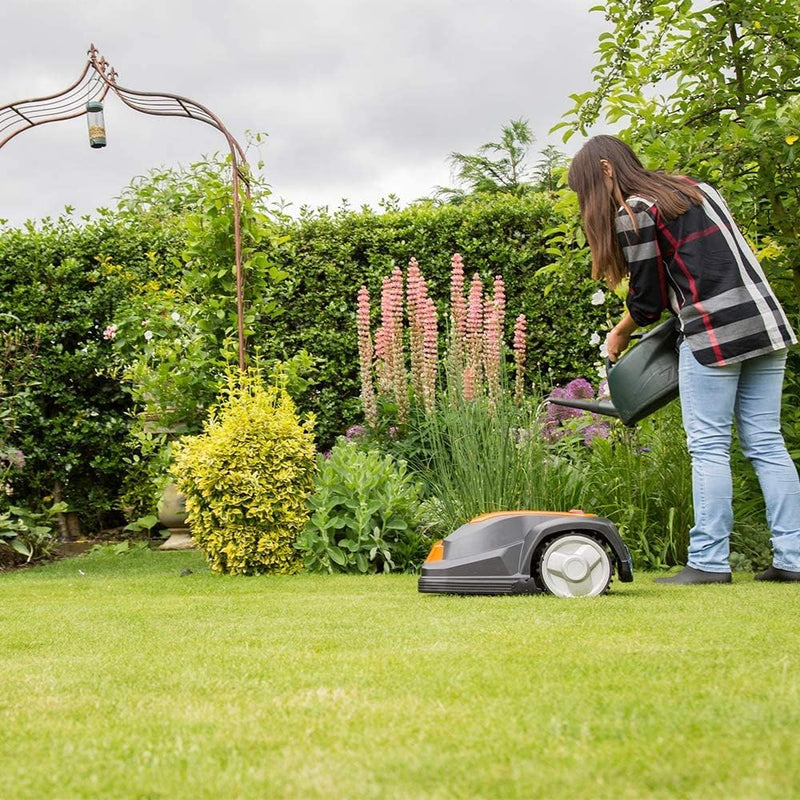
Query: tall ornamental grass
[[483, 455]]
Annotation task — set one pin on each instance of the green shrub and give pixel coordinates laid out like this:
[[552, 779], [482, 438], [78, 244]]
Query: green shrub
[[247, 478], [60, 403], [366, 515]]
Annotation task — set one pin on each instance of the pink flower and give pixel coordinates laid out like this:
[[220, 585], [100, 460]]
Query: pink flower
[[423, 337], [500, 299], [110, 332], [365, 357], [492, 347], [520, 347], [474, 331], [458, 305], [469, 383], [389, 343]]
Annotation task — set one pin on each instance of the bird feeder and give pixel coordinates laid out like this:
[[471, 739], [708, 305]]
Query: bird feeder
[[97, 125]]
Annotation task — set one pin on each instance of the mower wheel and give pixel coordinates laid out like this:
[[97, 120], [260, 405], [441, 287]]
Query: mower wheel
[[574, 565]]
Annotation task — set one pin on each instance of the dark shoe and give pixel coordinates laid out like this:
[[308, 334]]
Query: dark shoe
[[780, 575], [690, 575]]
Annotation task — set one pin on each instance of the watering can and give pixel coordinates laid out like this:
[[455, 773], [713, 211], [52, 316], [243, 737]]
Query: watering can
[[642, 380]]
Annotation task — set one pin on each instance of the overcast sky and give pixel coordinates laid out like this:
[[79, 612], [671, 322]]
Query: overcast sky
[[360, 98]]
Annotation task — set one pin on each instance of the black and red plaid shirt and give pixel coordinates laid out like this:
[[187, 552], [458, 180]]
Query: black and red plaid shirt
[[700, 266]]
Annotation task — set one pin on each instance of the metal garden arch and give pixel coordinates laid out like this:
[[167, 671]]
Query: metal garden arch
[[85, 96]]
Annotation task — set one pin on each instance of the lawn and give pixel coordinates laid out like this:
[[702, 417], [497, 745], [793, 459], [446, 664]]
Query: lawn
[[125, 678]]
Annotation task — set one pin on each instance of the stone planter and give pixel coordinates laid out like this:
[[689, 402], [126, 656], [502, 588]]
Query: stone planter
[[172, 515]]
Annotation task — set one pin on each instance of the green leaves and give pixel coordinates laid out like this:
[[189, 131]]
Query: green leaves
[[29, 533], [365, 509]]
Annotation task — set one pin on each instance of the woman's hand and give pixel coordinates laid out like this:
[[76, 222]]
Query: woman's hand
[[619, 337]]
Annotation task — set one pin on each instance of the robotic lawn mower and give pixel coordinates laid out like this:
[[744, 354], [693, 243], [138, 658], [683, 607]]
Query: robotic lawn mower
[[570, 554]]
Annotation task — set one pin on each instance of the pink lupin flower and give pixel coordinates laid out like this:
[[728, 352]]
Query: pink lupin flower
[[423, 334], [469, 383], [500, 301], [392, 314], [383, 339], [520, 346], [365, 357], [430, 347], [458, 305], [416, 293], [492, 347], [474, 329]]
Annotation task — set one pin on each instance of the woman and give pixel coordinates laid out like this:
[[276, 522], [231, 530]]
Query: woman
[[676, 242]]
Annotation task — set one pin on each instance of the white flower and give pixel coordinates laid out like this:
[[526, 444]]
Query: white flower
[[148, 335], [595, 339], [598, 298], [604, 350], [176, 316]]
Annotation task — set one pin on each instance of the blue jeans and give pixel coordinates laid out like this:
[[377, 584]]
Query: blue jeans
[[711, 398]]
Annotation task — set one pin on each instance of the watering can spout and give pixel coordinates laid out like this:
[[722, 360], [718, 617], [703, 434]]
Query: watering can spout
[[605, 407]]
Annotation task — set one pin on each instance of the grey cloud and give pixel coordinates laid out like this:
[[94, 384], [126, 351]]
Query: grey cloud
[[359, 98]]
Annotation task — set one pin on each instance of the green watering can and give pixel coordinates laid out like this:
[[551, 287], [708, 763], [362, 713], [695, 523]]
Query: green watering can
[[642, 380]]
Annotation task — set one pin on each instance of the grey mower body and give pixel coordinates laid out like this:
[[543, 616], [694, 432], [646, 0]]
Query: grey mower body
[[568, 554]]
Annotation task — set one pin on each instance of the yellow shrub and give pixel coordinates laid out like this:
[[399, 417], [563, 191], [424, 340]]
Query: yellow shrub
[[247, 478]]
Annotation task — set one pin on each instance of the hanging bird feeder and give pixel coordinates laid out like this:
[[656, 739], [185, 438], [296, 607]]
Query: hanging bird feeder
[[97, 125]]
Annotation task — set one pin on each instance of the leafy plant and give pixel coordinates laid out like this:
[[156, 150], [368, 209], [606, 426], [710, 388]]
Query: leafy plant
[[29, 533], [247, 478], [66, 413], [365, 514], [124, 548], [142, 524]]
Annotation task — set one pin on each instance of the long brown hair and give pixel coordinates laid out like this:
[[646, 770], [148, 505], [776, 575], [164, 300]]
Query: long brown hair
[[673, 195]]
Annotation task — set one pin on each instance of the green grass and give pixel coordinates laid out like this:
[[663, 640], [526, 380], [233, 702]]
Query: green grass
[[124, 679]]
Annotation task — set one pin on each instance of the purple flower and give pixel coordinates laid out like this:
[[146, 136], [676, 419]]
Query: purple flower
[[552, 430], [599, 430], [355, 432], [557, 417], [580, 388], [557, 413]]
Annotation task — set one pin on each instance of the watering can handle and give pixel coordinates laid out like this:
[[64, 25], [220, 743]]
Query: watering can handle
[[610, 363]]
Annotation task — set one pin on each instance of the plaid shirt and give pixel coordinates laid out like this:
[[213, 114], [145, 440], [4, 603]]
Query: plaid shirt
[[700, 266]]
